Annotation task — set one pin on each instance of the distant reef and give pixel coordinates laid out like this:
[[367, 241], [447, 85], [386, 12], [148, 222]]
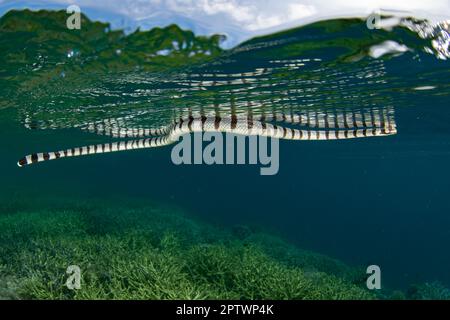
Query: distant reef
[[43, 37]]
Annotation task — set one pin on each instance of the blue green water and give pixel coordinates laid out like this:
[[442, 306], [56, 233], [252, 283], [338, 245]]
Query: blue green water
[[381, 200]]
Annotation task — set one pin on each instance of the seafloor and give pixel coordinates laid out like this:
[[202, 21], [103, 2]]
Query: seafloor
[[153, 251]]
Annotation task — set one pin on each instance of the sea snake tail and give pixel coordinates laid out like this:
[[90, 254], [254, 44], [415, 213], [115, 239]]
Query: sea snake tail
[[346, 119], [96, 149], [247, 126]]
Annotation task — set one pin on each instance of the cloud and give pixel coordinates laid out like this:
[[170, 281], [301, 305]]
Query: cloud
[[240, 19], [249, 15], [294, 13]]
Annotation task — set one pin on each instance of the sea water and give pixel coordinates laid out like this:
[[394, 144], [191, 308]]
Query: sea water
[[371, 201]]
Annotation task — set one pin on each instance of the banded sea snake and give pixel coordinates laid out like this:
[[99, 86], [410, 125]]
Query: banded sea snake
[[345, 125]]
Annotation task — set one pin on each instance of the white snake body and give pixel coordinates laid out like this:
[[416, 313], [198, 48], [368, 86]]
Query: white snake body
[[338, 126]]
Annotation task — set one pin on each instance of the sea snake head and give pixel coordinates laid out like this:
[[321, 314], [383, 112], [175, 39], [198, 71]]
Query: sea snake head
[[22, 162]]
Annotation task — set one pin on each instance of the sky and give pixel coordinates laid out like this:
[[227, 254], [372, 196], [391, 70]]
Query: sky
[[238, 19]]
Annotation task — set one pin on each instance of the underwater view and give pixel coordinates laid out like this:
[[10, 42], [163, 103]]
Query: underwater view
[[160, 162]]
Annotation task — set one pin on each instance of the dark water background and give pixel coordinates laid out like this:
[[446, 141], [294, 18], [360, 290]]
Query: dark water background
[[381, 201]]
